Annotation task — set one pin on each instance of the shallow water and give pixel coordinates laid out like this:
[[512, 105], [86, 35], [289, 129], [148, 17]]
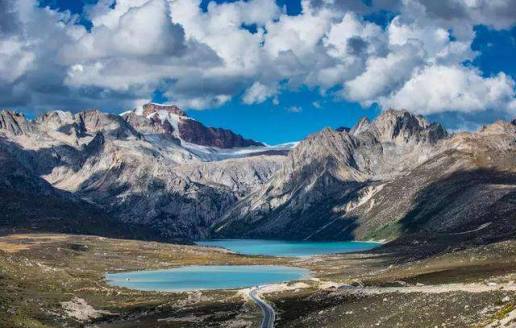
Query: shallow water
[[198, 277], [288, 248]]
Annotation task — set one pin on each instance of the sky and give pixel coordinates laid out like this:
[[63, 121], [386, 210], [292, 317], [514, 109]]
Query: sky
[[272, 70]]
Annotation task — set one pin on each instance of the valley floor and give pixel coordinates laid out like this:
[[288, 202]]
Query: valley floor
[[55, 280]]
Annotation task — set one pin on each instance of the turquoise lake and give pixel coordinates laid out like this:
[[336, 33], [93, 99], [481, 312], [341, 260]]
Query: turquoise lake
[[288, 248], [197, 277]]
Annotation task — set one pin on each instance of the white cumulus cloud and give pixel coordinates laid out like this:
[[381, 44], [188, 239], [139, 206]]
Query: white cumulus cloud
[[258, 93], [253, 50], [444, 88]]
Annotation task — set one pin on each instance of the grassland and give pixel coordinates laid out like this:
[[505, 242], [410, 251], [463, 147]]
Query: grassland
[[57, 280]]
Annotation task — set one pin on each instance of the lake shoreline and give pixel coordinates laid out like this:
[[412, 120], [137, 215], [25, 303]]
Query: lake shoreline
[[287, 248], [193, 278]]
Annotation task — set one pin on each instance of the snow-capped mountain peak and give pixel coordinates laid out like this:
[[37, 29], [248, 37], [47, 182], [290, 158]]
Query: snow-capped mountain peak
[[172, 121]]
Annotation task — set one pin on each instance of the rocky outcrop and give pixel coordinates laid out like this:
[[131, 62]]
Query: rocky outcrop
[[56, 120], [14, 123], [156, 120], [195, 132], [93, 121], [84, 124], [402, 127]]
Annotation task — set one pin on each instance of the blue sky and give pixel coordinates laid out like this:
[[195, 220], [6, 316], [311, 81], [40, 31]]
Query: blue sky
[[294, 119], [295, 99], [276, 124]]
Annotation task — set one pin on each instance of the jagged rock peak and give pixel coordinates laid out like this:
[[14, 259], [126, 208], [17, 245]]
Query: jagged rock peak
[[151, 108], [361, 126], [172, 122], [323, 146], [499, 127], [14, 122], [56, 115], [152, 125], [394, 121], [321, 138], [401, 126], [55, 120], [156, 119], [94, 121]]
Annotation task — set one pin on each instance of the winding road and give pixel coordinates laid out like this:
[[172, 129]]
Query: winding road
[[268, 312]]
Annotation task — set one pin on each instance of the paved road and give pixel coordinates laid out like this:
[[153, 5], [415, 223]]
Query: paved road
[[268, 312]]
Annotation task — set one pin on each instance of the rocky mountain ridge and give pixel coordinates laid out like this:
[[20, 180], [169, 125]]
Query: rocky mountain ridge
[[396, 176]]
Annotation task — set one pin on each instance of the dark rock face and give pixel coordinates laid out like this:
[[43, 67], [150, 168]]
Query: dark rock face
[[96, 144], [195, 132]]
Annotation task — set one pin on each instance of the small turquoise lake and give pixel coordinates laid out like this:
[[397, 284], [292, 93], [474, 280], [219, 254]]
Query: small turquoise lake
[[197, 277], [289, 248]]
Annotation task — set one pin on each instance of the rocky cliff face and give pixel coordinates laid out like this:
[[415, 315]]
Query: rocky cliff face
[[385, 179], [195, 132]]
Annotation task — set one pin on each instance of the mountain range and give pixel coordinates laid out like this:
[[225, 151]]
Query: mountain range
[[156, 173]]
